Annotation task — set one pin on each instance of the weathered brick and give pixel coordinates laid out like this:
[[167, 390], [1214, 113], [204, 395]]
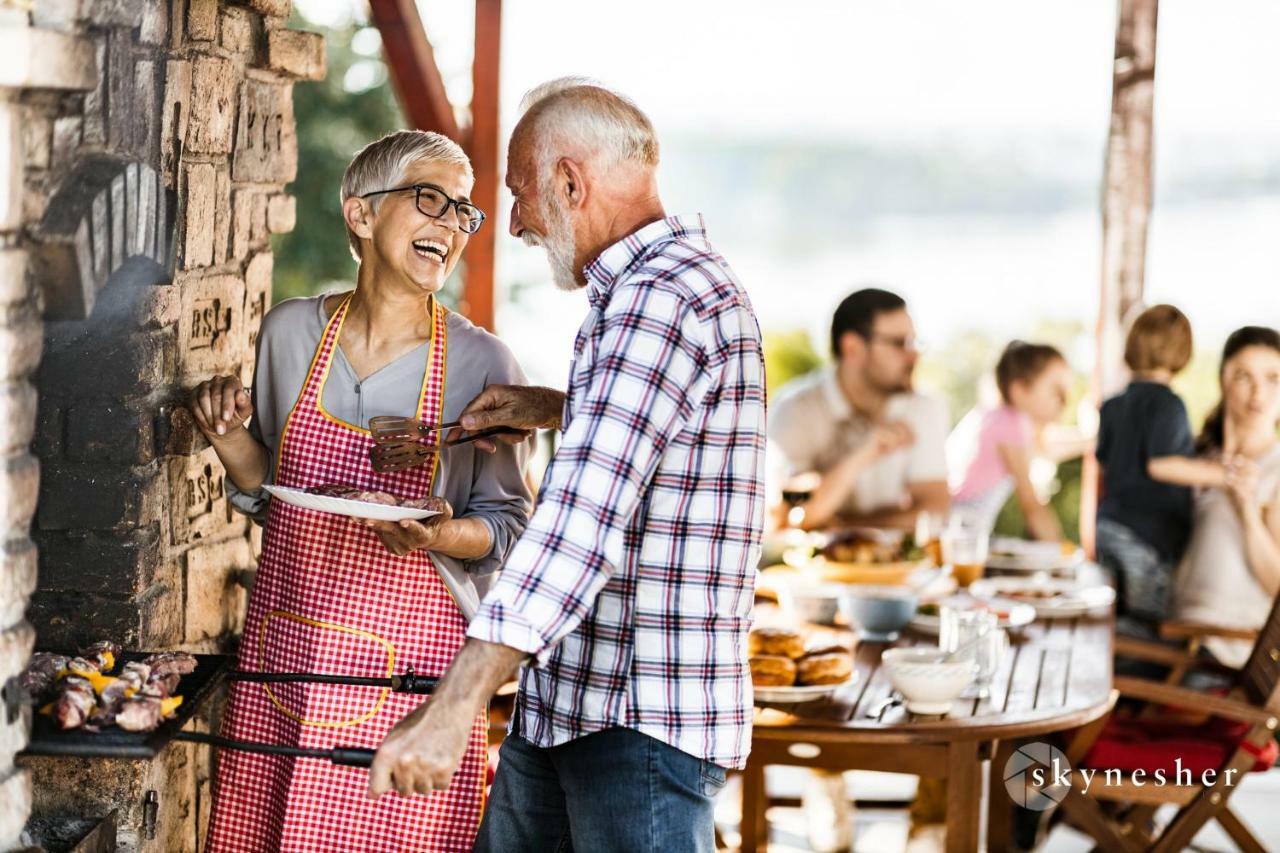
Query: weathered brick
[[95, 101], [17, 580], [273, 8], [121, 111], [175, 115], [10, 166], [13, 276], [109, 432], [71, 619], [20, 348], [176, 430], [238, 31], [266, 136], [56, 14], [17, 415], [37, 138], [121, 497], [114, 13], [160, 306], [198, 229], [257, 279], [106, 563], [198, 506], [19, 489], [202, 20], [282, 213], [66, 139], [146, 129], [210, 326], [222, 217], [15, 805], [215, 599], [213, 86], [296, 53], [155, 22], [125, 367], [243, 203], [16, 642]]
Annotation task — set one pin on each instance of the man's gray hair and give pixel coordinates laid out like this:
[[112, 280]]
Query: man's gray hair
[[574, 116], [382, 164]]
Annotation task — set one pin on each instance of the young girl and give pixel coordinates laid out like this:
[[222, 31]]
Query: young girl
[[992, 449]]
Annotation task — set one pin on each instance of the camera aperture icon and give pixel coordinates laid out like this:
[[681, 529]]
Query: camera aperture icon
[[1037, 776]]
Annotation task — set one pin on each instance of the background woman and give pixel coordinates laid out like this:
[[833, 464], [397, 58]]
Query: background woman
[[337, 595], [1230, 573]]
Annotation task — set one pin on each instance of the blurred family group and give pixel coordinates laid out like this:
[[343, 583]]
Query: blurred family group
[[1188, 525]]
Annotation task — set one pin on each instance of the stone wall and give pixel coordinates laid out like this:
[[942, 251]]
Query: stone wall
[[139, 226]]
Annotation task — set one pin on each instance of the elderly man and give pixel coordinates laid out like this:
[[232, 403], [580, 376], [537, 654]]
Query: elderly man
[[878, 445], [629, 595]]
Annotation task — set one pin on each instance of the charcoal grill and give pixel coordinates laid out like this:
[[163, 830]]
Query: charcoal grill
[[195, 687]]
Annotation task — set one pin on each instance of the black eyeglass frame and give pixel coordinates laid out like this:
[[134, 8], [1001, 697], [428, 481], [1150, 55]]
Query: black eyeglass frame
[[448, 202]]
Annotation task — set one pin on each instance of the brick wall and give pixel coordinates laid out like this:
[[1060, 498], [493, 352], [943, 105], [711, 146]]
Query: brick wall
[[138, 225]]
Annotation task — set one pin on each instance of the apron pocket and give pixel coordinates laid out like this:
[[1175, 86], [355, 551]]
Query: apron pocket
[[290, 642]]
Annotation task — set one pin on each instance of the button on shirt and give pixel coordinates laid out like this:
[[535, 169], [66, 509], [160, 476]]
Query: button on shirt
[[632, 586]]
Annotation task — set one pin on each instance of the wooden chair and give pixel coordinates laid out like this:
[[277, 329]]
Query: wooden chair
[[1238, 736]]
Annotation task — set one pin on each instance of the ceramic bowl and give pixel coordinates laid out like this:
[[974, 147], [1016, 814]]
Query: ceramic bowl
[[878, 612], [929, 686]]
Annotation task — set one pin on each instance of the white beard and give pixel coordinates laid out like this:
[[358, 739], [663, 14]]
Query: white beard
[[558, 241]]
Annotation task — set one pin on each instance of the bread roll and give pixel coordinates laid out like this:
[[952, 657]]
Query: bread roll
[[772, 671], [775, 641], [827, 668]]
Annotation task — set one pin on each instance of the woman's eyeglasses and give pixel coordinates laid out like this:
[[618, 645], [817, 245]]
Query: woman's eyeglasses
[[434, 202]]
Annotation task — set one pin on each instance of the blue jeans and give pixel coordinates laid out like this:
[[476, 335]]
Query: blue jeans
[[613, 790]]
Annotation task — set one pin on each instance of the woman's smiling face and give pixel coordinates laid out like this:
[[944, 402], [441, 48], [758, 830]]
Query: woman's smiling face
[[420, 249]]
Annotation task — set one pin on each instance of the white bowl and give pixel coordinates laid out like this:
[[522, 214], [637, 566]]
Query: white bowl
[[930, 687], [816, 603]]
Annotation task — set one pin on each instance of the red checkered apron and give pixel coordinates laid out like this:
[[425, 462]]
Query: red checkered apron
[[330, 598]]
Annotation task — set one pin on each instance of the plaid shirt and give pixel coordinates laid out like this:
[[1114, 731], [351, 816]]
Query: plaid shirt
[[632, 585]]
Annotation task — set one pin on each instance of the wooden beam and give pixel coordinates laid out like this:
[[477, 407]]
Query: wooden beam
[[1126, 210], [484, 147], [412, 63]]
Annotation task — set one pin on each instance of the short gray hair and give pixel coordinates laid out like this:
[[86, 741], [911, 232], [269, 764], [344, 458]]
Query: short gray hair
[[577, 114], [382, 164]]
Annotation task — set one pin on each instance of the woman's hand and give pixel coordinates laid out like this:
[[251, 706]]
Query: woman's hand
[[407, 536], [220, 405]]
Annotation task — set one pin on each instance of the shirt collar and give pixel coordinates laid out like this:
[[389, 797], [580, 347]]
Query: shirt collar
[[834, 395], [619, 259]]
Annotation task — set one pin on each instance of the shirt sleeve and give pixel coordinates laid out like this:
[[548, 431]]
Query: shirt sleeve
[[1169, 429], [254, 503], [928, 456], [648, 376], [499, 496]]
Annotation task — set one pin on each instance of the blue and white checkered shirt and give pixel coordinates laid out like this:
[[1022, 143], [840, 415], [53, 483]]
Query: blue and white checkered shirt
[[633, 584]]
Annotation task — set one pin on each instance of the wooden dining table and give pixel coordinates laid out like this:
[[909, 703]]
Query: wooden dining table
[[1057, 676]]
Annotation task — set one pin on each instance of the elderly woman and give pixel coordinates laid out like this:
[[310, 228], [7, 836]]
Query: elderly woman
[[1230, 573], [356, 597]]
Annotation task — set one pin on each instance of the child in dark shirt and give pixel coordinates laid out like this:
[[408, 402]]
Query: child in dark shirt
[[1146, 450]]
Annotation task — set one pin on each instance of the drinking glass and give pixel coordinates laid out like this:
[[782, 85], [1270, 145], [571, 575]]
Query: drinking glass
[[965, 548], [984, 643]]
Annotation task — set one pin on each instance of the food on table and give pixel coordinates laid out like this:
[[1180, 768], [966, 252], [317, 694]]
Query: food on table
[[775, 641], [826, 668], [858, 548], [772, 671], [79, 692], [864, 557], [351, 493]]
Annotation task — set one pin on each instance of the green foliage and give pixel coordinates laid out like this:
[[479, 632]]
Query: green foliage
[[787, 355]]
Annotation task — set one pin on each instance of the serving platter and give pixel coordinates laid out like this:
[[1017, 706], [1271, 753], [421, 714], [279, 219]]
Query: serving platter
[[342, 506], [1051, 598], [800, 693]]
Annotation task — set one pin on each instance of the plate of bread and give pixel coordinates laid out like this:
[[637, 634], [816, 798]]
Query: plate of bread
[[787, 669]]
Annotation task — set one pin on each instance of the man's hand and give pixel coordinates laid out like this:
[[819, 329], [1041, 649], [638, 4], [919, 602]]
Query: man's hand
[[519, 408], [886, 438], [1241, 481], [405, 536], [420, 754]]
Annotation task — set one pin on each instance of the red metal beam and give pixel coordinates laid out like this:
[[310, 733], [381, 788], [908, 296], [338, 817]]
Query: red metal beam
[[484, 147], [412, 63]]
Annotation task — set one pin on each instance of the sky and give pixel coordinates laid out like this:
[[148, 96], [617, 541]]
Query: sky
[[1000, 75]]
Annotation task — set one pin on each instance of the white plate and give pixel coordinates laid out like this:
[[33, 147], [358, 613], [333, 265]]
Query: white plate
[[342, 506], [1021, 555], [803, 693], [1019, 616], [1069, 600]]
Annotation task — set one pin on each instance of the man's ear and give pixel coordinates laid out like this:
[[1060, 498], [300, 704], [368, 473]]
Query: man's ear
[[572, 182], [359, 217], [852, 348]]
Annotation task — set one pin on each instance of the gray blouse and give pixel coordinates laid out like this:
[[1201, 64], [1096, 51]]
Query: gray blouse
[[487, 487]]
